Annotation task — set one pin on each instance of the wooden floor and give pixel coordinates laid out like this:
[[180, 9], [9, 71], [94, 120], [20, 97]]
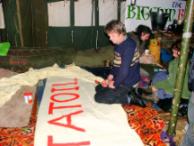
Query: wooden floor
[[180, 128]]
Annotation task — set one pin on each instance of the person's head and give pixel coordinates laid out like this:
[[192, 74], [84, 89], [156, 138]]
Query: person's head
[[176, 49], [144, 32], [116, 31]]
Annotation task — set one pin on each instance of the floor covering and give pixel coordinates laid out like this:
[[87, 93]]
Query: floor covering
[[145, 121]]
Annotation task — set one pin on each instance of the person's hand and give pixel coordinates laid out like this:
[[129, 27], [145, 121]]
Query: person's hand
[[110, 77], [154, 89], [110, 81], [104, 83], [107, 83], [111, 84], [159, 65]]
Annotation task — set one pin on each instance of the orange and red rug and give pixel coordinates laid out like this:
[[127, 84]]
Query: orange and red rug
[[19, 136], [147, 123]]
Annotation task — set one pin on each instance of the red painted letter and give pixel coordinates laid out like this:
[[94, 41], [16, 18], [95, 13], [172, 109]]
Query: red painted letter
[[52, 107], [63, 86], [63, 95], [68, 119], [50, 143]]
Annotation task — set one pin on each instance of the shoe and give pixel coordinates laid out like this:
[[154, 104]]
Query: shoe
[[137, 100], [165, 104]]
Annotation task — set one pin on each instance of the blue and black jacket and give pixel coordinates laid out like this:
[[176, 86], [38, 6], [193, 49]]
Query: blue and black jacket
[[126, 67]]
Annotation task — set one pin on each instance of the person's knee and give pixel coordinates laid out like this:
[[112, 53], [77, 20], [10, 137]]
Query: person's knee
[[104, 99], [98, 98]]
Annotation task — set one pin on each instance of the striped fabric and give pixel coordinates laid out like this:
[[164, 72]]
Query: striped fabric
[[117, 59]]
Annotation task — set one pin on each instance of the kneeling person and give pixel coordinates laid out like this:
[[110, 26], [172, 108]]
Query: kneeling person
[[125, 72]]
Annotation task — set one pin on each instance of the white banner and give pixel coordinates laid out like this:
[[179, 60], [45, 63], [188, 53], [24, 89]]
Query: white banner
[[140, 12], [2, 23], [69, 116]]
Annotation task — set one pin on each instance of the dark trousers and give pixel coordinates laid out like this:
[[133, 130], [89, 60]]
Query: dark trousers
[[189, 136], [110, 96]]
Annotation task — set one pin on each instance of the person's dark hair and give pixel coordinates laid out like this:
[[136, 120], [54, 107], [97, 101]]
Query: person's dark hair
[[176, 45], [144, 29], [115, 26]]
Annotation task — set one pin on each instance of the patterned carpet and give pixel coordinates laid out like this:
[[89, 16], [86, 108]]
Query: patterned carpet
[[145, 121], [19, 136]]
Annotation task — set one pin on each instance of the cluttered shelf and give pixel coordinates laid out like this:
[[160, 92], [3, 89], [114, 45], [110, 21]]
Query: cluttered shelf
[[168, 38]]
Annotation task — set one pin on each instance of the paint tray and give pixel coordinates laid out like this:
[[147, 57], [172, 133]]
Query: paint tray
[[4, 48]]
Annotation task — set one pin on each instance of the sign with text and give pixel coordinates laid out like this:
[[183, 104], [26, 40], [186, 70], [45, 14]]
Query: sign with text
[[69, 116], [140, 12]]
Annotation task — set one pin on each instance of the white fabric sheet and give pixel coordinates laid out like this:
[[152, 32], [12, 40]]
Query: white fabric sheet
[[9, 85], [100, 124]]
